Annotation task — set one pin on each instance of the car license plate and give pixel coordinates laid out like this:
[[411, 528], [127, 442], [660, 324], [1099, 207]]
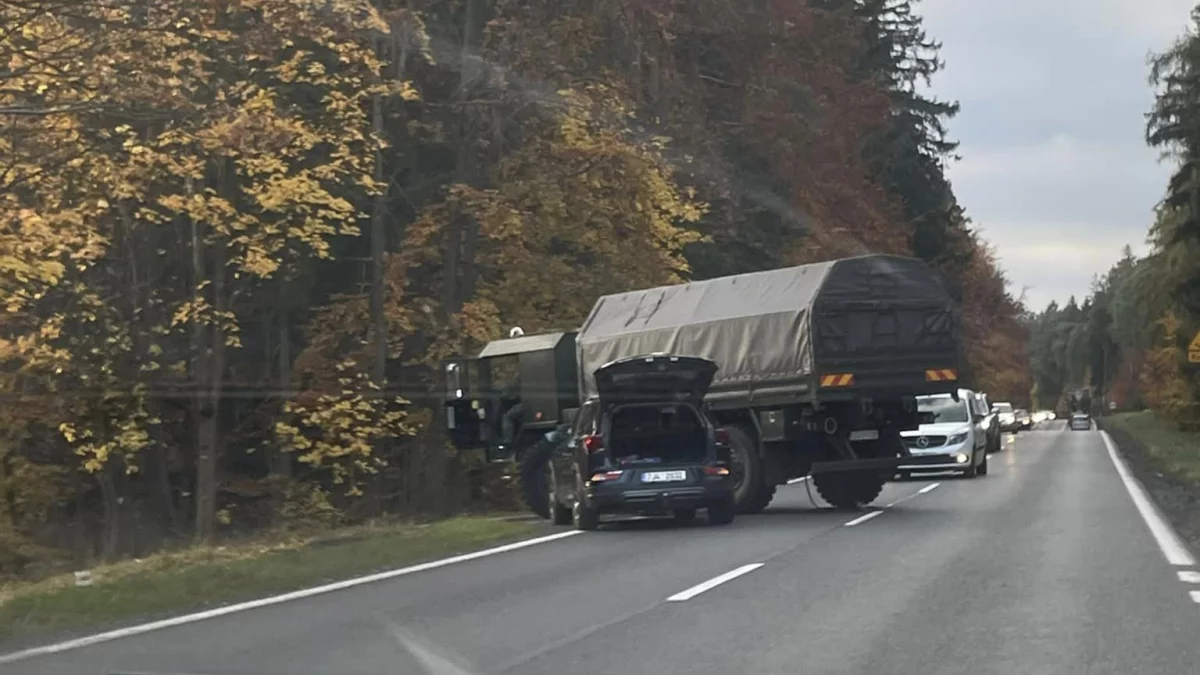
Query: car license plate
[[865, 435], [663, 476]]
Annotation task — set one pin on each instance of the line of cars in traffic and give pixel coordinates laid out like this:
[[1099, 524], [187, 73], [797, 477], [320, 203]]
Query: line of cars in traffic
[[967, 427]]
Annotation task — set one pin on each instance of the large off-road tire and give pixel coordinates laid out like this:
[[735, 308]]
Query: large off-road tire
[[535, 474], [559, 514], [848, 490], [751, 493]]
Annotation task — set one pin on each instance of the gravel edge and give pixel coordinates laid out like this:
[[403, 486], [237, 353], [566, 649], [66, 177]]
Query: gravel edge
[[1178, 499]]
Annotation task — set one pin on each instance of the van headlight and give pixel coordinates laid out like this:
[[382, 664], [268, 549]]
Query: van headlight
[[957, 438], [961, 458]]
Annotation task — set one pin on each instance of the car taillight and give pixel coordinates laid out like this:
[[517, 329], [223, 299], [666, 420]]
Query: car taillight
[[606, 476], [716, 471], [593, 443], [722, 436]]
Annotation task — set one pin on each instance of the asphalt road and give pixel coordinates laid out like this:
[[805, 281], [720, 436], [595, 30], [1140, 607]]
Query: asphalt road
[[1044, 566]]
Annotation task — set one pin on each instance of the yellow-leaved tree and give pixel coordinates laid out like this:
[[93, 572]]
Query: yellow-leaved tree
[[210, 148], [580, 209]]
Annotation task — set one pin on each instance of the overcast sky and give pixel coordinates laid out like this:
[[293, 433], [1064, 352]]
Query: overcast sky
[[1054, 169]]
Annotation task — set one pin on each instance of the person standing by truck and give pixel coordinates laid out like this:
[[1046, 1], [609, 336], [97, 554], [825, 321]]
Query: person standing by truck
[[514, 411]]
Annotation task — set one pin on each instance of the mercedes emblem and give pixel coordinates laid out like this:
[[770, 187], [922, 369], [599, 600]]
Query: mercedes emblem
[[922, 442]]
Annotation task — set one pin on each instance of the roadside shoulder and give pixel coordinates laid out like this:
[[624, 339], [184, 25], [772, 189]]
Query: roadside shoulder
[[1161, 460], [165, 590]]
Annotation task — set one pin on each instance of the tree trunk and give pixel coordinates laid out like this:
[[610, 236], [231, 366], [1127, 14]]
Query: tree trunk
[[205, 462], [462, 233], [379, 328], [110, 537], [208, 341], [281, 462]]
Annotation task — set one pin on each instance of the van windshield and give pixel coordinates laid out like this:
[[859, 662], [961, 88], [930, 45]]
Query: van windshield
[[943, 409]]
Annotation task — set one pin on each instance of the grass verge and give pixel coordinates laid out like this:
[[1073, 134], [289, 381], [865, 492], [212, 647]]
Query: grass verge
[[1176, 452], [207, 577]]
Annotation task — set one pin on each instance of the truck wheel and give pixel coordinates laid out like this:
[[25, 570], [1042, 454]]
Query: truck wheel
[[848, 490], [535, 477], [559, 514], [867, 487], [751, 493]]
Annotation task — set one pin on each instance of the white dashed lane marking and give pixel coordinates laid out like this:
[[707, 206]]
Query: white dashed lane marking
[[713, 583]]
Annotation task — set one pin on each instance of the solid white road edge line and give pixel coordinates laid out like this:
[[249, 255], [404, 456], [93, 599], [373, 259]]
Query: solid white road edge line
[[863, 518], [713, 583], [1189, 576], [1170, 544], [273, 600], [1195, 596], [801, 479], [928, 488]]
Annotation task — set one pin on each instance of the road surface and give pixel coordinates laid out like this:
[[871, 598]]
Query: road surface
[[1044, 566]]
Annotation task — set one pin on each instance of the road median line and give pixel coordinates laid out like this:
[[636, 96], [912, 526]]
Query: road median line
[[863, 518], [713, 583]]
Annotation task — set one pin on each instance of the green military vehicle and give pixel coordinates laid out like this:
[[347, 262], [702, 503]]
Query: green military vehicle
[[819, 367]]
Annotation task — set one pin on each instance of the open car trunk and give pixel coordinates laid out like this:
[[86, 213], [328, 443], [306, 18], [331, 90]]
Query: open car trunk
[[670, 433]]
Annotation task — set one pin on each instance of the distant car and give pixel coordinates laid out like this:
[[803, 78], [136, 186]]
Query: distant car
[[1008, 417], [1080, 422], [644, 445], [1024, 420], [950, 428]]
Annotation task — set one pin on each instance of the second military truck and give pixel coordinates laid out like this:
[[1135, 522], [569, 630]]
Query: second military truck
[[819, 368]]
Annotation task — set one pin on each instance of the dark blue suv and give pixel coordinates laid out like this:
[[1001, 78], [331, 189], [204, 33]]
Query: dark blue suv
[[644, 445]]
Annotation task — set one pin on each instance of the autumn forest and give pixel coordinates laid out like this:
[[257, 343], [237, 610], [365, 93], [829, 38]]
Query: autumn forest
[[237, 235]]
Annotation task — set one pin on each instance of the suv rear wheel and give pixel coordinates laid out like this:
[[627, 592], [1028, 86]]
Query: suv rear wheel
[[585, 517], [721, 512], [684, 516]]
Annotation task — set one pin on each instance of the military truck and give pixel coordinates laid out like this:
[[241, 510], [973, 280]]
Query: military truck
[[819, 369]]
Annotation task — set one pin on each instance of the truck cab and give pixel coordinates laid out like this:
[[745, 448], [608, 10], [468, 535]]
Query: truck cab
[[530, 379]]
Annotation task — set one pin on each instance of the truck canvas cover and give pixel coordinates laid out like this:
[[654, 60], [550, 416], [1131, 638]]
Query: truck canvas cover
[[767, 331]]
